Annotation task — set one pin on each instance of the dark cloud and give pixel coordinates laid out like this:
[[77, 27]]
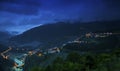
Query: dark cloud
[[69, 2], [7, 23], [112, 3], [19, 9], [23, 2], [11, 26], [26, 7], [65, 3], [20, 15]]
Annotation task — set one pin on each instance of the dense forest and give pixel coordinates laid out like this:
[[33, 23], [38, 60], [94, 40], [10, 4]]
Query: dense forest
[[87, 62], [96, 57]]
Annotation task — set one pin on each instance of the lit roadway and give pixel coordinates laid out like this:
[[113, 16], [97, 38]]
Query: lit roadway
[[19, 63], [2, 54]]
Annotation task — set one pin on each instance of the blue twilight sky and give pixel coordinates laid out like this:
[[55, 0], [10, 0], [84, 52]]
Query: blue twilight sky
[[21, 15]]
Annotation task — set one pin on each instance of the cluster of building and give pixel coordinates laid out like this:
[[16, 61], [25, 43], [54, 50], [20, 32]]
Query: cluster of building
[[97, 35], [90, 35], [78, 41], [53, 50], [41, 52], [21, 49], [18, 65]]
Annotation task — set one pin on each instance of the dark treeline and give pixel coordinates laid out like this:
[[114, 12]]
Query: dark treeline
[[87, 62]]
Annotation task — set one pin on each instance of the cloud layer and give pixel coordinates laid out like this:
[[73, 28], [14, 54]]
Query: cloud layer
[[20, 15]]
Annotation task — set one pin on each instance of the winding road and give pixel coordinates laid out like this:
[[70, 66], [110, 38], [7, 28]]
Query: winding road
[[4, 56]]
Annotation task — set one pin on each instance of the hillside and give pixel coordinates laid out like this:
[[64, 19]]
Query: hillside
[[86, 62], [61, 31], [99, 48], [2, 47], [5, 65], [106, 44], [4, 36]]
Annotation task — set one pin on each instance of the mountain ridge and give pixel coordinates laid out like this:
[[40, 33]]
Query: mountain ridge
[[62, 31]]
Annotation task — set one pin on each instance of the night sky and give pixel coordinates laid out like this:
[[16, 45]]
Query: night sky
[[21, 15]]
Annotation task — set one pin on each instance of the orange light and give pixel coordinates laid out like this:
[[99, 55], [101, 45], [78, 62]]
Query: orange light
[[30, 52], [39, 54], [15, 65]]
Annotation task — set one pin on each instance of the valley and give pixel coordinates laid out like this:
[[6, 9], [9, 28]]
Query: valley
[[83, 44], [59, 35]]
